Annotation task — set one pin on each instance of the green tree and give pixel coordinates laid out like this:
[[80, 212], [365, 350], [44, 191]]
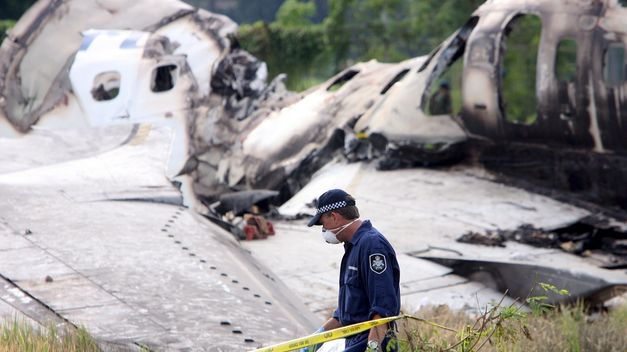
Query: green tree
[[338, 31], [366, 29], [433, 21], [381, 28], [354, 30], [241, 11], [391, 30], [292, 44], [295, 14]]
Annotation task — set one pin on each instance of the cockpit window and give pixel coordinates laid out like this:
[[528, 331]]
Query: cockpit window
[[163, 78], [106, 86]]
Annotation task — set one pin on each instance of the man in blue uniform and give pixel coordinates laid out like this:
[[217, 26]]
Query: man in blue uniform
[[369, 273]]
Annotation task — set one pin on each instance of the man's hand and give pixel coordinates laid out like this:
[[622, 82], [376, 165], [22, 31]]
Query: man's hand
[[328, 325], [314, 347], [376, 335]]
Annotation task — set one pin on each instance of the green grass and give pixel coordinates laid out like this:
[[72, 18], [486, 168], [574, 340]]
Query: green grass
[[20, 336]]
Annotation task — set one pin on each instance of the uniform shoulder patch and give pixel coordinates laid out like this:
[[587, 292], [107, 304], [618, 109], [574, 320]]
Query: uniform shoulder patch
[[377, 263]]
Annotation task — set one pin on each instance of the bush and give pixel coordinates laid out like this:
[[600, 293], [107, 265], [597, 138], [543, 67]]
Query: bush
[[567, 328], [297, 51]]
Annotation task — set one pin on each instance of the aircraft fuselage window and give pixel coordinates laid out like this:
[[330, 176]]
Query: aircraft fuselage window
[[399, 76], [566, 60], [565, 72], [615, 65], [163, 78], [340, 81], [106, 86], [518, 69]]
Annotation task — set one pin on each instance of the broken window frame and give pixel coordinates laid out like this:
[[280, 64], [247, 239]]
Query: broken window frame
[[447, 58], [168, 83], [565, 83], [428, 60], [106, 86]]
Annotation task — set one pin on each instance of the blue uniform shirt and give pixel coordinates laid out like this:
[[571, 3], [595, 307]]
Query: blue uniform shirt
[[369, 280]]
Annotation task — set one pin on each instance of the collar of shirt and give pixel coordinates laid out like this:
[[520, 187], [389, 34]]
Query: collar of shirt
[[365, 227]]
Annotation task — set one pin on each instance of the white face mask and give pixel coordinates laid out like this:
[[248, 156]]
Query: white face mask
[[330, 236]]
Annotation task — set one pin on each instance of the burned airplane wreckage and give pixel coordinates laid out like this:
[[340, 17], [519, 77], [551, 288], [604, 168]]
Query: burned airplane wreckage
[[182, 67], [240, 140]]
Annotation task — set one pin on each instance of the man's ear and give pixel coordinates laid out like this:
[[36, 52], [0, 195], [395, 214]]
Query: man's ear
[[333, 215]]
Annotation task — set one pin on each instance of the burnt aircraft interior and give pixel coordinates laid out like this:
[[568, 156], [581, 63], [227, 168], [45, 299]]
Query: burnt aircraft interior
[[561, 119]]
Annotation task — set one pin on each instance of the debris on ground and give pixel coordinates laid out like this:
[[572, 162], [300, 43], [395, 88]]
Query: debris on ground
[[531, 235], [242, 201], [490, 238], [401, 155], [256, 227], [591, 236]]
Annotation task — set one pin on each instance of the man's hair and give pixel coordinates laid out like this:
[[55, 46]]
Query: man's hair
[[349, 212]]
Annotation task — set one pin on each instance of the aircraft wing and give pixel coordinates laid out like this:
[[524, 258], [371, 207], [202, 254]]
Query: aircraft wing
[[102, 241]]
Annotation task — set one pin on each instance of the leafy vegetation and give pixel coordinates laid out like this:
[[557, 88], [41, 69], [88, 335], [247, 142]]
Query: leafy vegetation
[[390, 31], [512, 328], [292, 44], [567, 328], [247, 11]]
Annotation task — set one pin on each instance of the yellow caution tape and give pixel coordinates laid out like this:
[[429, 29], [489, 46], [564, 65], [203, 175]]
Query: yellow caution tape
[[326, 336], [361, 135], [338, 333]]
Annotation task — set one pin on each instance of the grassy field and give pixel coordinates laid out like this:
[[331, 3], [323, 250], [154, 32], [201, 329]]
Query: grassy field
[[562, 329], [19, 336]]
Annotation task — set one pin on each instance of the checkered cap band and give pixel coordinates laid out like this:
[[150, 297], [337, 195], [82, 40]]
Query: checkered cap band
[[332, 206]]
